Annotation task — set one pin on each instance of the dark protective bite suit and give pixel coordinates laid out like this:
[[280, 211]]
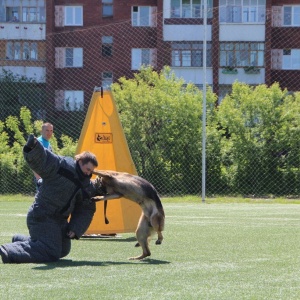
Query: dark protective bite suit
[[65, 192]]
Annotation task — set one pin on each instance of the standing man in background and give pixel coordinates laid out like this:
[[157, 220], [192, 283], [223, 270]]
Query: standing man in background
[[44, 139], [47, 132]]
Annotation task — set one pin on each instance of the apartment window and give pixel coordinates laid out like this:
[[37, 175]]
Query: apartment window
[[9, 50], [143, 16], [190, 8], [29, 51], [22, 11], [74, 57], [189, 55], [12, 14], [242, 11], [30, 14], [140, 57], [291, 15], [17, 50], [73, 100], [107, 45], [107, 80], [73, 16], [21, 51], [107, 8], [242, 54], [26, 51], [68, 57], [291, 59]]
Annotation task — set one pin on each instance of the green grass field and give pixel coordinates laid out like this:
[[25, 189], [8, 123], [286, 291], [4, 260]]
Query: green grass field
[[213, 250]]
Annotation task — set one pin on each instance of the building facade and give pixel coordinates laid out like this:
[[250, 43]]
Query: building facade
[[23, 38], [73, 46]]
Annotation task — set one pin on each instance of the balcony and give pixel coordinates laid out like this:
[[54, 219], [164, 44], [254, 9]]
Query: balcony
[[22, 31]]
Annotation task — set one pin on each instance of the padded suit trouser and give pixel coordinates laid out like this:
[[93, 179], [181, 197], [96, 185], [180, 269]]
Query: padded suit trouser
[[47, 242]]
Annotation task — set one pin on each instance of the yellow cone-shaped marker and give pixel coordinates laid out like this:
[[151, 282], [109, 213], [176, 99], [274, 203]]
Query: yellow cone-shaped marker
[[102, 134]]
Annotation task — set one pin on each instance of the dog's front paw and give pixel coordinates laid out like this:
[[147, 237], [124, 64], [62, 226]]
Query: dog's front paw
[[97, 198]]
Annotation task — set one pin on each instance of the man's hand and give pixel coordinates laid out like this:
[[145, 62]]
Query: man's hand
[[31, 141], [39, 182]]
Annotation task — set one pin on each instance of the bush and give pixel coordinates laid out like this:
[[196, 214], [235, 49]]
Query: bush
[[15, 174]]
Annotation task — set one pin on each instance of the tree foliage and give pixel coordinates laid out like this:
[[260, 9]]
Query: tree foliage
[[14, 172], [162, 120], [260, 154], [252, 137]]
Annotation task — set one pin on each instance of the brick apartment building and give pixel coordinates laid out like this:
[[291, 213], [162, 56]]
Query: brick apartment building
[[255, 41]]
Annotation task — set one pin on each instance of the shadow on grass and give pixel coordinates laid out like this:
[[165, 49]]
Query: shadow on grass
[[109, 239], [67, 263]]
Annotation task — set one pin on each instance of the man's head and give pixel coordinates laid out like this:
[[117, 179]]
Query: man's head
[[47, 131], [87, 162]]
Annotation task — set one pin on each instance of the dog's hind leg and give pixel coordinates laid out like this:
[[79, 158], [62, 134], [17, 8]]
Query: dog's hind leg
[[143, 234], [159, 238], [157, 222]]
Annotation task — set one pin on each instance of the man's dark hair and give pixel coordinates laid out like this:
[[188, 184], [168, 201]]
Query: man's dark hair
[[86, 157]]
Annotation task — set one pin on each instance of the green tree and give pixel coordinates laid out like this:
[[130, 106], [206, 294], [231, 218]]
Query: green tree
[[257, 140], [161, 116]]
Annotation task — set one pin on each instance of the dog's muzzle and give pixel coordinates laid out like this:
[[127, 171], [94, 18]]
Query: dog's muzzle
[[99, 187]]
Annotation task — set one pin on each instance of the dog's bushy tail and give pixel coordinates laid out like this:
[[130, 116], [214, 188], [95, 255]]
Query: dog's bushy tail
[[151, 193]]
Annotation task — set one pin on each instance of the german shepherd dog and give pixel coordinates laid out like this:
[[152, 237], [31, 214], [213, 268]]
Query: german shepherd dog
[[119, 184]]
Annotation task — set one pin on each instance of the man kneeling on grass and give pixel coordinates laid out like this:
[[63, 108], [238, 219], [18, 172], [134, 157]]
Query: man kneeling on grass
[[66, 190]]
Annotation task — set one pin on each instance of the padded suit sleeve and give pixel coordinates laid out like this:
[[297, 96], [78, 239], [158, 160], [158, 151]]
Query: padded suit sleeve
[[41, 160]]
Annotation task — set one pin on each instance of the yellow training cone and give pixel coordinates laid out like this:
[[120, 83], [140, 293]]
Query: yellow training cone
[[102, 134]]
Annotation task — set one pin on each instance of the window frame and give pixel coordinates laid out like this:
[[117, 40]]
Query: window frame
[[143, 57], [106, 79], [107, 46], [28, 12], [190, 8], [15, 11], [16, 50], [291, 59], [73, 15], [72, 105], [190, 55], [136, 16], [36, 10], [292, 15], [74, 58], [107, 8], [238, 11], [232, 53]]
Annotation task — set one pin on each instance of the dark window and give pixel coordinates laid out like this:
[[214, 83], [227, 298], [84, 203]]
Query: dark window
[[107, 8], [107, 44]]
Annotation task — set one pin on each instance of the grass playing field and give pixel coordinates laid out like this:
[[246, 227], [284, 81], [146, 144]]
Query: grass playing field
[[215, 250]]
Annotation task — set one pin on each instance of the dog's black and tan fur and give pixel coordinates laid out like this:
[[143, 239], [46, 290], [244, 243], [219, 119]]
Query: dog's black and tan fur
[[139, 190]]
